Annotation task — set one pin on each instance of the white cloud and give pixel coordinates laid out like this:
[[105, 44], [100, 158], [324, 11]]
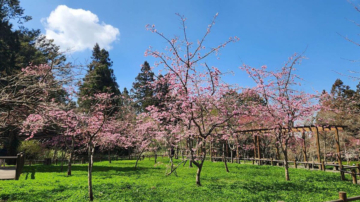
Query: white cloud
[[78, 29]]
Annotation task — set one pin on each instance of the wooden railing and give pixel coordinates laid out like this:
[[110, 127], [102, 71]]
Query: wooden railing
[[20, 160], [343, 198], [354, 170]]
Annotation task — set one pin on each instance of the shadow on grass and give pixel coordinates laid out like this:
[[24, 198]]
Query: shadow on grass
[[32, 172], [96, 168]]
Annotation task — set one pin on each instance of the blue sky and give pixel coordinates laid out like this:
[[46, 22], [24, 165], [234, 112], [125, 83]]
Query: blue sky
[[269, 32]]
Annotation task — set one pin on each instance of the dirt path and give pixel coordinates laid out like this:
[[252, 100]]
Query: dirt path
[[7, 173]]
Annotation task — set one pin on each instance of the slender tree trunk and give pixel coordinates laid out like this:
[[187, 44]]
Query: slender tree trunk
[[155, 156], [138, 158], [177, 153], [190, 142], [211, 159], [69, 163], [318, 145], [304, 148], [237, 153], [198, 174], [224, 158], [71, 155], [325, 147], [277, 156], [200, 165], [55, 154], [286, 165], [90, 166], [258, 149], [255, 143], [62, 161]]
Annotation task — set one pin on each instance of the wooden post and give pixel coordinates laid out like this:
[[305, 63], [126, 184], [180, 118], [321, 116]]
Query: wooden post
[[272, 163], [19, 165], [323, 165], [353, 175], [255, 143], [342, 196], [318, 145], [295, 163], [312, 165], [337, 140]]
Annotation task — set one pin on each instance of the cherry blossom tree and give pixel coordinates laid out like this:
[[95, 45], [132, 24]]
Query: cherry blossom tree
[[285, 104], [195, 107]]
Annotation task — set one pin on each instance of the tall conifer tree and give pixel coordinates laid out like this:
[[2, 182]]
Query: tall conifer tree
[[100, 78], [142, 92]]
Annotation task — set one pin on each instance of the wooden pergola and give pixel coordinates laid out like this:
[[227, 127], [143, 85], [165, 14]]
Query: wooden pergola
[[303, 129]]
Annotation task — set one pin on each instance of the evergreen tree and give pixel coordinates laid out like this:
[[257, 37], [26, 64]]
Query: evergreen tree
[[142, 92], [338, 89], [19, 47], [100, 78]]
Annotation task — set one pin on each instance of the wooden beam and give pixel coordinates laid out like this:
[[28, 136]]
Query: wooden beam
[[318, 144], [258, 146], [337, 141]]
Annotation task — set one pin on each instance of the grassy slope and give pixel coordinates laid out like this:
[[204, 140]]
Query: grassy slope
[[119, 181]]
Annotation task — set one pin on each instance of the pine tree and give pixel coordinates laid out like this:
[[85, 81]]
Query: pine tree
[[100, 78], [142, 91]]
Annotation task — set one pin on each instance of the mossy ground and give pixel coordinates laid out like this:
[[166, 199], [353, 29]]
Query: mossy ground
[[119, 181]]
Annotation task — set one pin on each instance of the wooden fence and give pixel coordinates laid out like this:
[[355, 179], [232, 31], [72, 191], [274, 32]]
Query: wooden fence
[[343, 198], [354, 171]]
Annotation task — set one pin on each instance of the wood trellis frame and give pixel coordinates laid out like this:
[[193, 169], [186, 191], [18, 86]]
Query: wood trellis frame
[[310, 128]]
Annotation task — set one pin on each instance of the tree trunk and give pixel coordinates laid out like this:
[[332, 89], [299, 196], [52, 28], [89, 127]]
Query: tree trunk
[[198, 182], [318, 145], [69, 163], [237, 153], [90, 166], [255, 143], [109, 156], [337, 140], [177, 153], [286, 165], [62, 161], [324, 146], [71, 155], [224, 158], [55, 154], [277, 156], [210, 153], [200, 165], [304, 148], [138, 158]]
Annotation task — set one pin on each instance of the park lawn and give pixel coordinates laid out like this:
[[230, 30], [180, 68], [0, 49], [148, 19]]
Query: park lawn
[[119, 181]]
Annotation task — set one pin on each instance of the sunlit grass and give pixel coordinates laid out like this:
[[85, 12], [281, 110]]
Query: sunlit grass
[[119, 181]]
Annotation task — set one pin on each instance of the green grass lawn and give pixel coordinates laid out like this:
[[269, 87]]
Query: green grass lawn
[[119, 181]]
